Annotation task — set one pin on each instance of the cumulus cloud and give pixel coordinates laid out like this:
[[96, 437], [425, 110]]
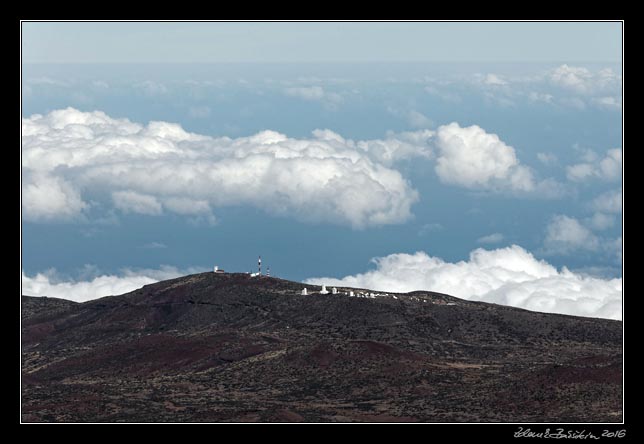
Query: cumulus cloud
[[584, 81], [395, 147], [566, 85], [608, 168], [508, 276], [472, 158], [160, 167], [47, 198], [565, 235], [48, 284], [547, 158], [609, 202], [493, 238]]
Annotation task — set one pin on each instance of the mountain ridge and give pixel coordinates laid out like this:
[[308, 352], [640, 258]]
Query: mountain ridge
[[255, 349]]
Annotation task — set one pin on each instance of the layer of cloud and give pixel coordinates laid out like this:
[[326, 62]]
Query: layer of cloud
[[132, 202], [160, 168], [49, 284], [508, 276], [494, 79], [305, 92], [562, 86], [607, 168], [314, 93], [584, 81]]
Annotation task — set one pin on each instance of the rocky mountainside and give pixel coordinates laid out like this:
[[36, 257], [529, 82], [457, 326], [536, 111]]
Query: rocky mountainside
[[231, 347]]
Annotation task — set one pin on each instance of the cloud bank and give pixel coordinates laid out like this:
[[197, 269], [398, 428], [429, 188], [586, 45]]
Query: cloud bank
[[152, 169], [562, 86], [47, 284], [508, 276], [72, 160]]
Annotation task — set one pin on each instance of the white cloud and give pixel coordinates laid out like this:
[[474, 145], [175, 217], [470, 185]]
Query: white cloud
[[472, 158], [100, 84], [46, 284], [305, 92], [535, 96], [609, 102], [609, 202], [397, 146], [430, 228], [132, 202], [568, 86], [573, 102], [584, 81], [601, 221], [580, 172], [547, 158], [161, 166], [508, 276], [154, 246], [414, 119], [493, 238], [315, 93], [419, 120], [494, 80], [444, 94], [565, 235], [618, 248], [608, 168], [47, 198], [47, 81], [199, 112], [152, 88], [182, 205]]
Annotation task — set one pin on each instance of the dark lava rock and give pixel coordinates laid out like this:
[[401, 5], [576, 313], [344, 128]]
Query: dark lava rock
[[234, 348]]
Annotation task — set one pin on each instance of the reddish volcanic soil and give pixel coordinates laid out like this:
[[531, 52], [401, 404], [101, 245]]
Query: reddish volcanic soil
[[228, 347]]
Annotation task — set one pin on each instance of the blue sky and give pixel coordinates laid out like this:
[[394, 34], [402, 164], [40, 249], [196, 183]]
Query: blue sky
[[157, 149]]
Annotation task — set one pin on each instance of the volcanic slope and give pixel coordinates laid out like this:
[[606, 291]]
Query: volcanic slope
[[231, 347]]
